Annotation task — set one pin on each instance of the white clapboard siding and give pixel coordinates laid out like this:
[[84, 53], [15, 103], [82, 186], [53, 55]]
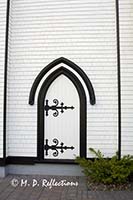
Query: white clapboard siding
[[2, 58], [82, 31], [126, 38]]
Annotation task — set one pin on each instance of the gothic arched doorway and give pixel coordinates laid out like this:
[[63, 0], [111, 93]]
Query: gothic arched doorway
[[61, 111], [61, 125]]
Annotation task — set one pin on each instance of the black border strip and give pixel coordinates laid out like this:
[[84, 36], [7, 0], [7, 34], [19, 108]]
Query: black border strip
[[2, 162], [119, 77], [22, 160], [5, 78]]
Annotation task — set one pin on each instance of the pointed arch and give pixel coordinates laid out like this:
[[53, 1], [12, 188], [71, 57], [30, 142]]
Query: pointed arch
[[40, 115], [70, 64]]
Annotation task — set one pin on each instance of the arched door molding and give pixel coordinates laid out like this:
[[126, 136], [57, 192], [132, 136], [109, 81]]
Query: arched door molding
[[70, 64]]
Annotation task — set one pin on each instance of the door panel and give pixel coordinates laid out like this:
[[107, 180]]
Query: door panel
[[65, 127]]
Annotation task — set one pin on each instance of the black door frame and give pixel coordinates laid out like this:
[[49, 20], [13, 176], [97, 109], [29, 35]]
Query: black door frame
[[41, 118]]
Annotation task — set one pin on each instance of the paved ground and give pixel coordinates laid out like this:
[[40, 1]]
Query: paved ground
[[53, 188]]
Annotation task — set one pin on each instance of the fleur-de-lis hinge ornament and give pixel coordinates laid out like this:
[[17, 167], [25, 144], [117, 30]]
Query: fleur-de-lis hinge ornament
[[56, 147], [56, 107]]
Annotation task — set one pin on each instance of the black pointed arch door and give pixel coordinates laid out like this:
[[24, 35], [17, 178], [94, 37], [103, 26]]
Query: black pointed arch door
[[56, 106], [65, 144]]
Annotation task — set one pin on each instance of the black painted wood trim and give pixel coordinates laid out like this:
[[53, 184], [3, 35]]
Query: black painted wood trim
[[5, 78], [40, 112], [119, 77], [2, 162], [20, 160], [73, 66], [56, 161]]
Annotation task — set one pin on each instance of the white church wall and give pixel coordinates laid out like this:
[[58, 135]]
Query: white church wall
[[85, 33]]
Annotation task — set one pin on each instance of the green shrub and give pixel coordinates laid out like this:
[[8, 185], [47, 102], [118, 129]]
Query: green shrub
[[107, 170]]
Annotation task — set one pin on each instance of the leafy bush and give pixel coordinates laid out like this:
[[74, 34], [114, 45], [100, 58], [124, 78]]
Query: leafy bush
[[107, 171]]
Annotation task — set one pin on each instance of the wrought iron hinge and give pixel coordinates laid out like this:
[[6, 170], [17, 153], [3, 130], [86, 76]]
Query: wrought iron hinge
[[56, 107], [55, 147]]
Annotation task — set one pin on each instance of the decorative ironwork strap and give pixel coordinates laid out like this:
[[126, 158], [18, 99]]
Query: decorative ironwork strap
[[55, 147], [56, 107]]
